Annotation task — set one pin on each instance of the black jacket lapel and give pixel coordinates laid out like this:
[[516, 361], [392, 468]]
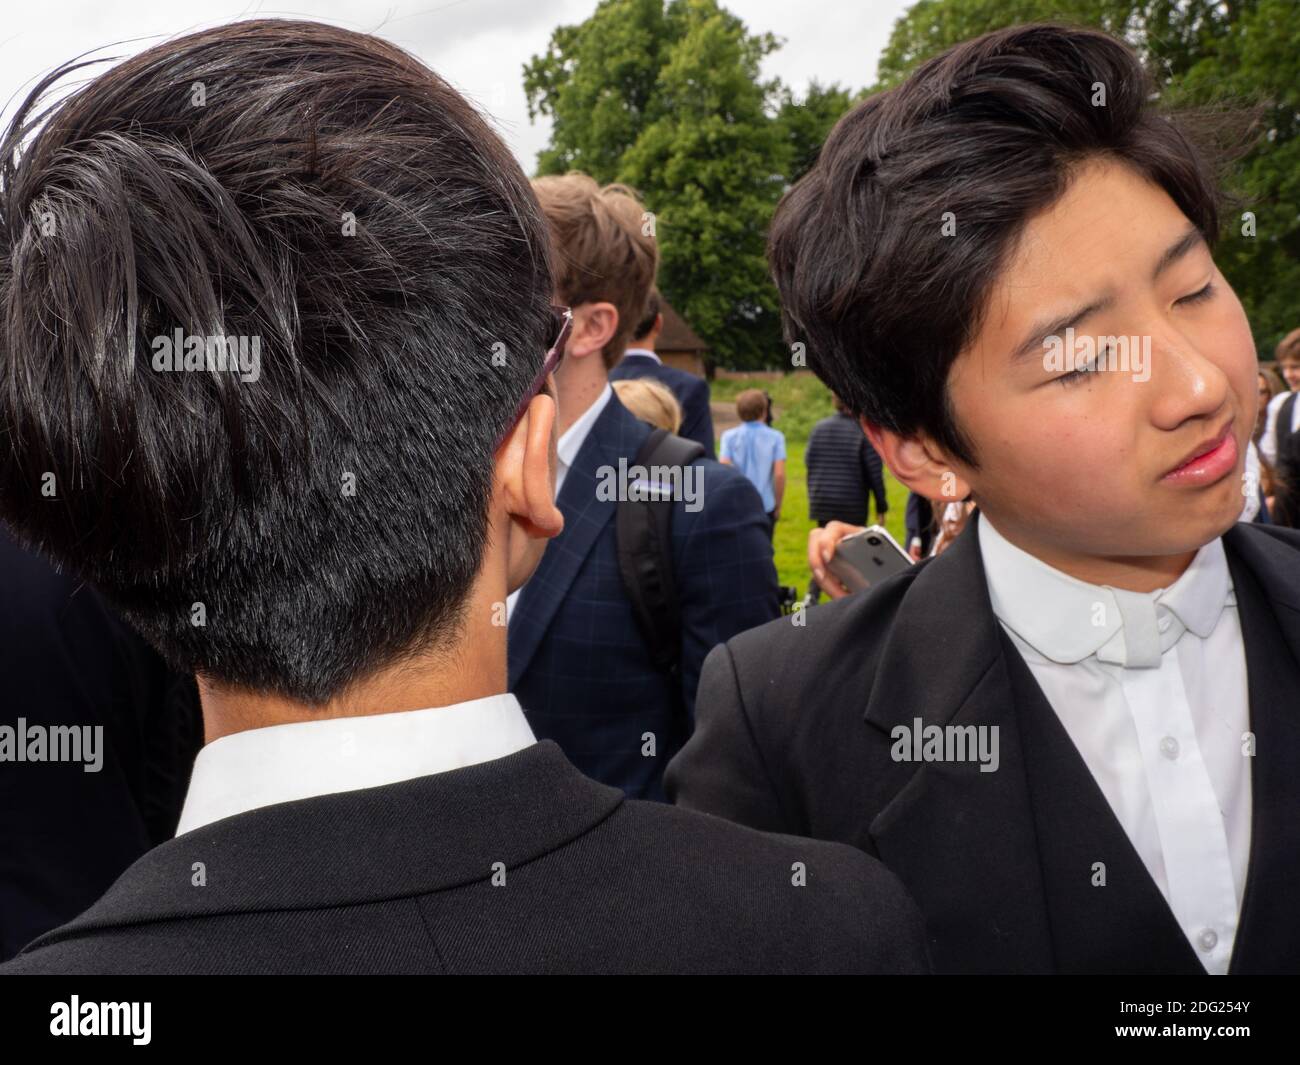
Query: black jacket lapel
[[1119, 924], [1265, 569], [961, 840]]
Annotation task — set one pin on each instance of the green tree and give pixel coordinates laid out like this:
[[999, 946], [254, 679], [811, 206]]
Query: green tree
[[805, 120], [670, 98], [596, 82], [1259, 64], [1171, 34]]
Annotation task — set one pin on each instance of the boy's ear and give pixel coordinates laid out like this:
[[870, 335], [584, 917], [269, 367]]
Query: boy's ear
[[525, 471], [918, 463], [594, 326]]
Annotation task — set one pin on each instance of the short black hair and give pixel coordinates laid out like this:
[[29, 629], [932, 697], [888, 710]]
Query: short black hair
[[991, 130], [324, 193], [651, 315]]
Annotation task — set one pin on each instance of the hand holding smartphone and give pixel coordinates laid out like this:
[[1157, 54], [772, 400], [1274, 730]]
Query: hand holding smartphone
[[867, 558]]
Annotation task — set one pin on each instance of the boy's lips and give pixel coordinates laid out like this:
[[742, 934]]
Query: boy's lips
[[1208, 462]]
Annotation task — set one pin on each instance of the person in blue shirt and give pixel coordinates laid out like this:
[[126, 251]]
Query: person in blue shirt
[[758, 451]]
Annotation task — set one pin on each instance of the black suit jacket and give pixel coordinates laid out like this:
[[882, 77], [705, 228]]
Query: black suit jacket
[[399, 879], [692, 393], [793, 735], [66, 659]]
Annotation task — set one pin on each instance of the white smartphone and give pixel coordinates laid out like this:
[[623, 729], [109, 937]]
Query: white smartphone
[[867, 558]]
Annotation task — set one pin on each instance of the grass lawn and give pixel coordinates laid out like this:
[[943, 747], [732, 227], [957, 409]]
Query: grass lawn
[[800, 401]]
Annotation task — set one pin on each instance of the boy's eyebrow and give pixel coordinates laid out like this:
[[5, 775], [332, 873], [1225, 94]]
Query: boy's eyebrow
[[1055, 327], [1189, 240]]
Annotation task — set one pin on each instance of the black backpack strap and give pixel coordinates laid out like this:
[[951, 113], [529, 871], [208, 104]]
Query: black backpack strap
[[645, 548]]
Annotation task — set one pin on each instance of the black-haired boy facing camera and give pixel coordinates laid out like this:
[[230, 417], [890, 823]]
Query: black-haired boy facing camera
[[1075, 735]]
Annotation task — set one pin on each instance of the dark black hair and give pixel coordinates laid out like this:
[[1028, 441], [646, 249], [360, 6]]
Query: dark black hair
[[651, 315], [992, 131], [323, 193]]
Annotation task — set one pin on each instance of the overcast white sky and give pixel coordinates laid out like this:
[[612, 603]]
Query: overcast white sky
[[480, 46]]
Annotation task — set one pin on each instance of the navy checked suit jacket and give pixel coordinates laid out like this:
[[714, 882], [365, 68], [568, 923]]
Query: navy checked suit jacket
[[578, 662], [692, 393]]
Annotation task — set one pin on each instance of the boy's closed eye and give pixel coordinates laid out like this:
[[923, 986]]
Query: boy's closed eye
[[1202, 295]]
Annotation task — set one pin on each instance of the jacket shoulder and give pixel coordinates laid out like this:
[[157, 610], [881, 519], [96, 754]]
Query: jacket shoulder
[[795, 678], [696, 387], [1281, 533], [725, 483], [860, 621], [1273, 552], [784, 903]]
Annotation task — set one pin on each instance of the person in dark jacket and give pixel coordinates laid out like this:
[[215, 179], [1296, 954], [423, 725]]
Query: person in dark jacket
[[583, 662], [844, 471], [69, 828], [844, 474], [919, 523], [641, 360], [1073, 733]]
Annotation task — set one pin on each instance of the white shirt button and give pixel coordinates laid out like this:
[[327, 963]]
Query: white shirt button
[[1208, 939], [1169, 748]]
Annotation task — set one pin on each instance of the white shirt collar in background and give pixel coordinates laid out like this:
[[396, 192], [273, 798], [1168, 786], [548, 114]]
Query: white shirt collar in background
[[570, 443]]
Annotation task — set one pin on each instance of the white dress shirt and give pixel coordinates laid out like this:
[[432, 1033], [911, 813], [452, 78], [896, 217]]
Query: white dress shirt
[[643, 351], [1151, 688], [566, 450], [1268, 440], [281, 763]]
